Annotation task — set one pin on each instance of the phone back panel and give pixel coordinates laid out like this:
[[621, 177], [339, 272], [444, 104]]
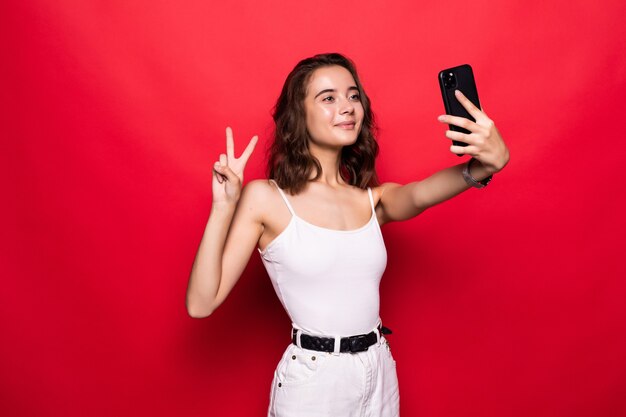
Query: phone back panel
[[465, 82]]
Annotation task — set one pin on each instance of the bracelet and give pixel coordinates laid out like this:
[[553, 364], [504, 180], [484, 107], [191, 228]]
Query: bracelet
[[471, 181]]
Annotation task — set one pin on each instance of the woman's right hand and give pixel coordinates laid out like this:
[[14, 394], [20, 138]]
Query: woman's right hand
[[228, 171]]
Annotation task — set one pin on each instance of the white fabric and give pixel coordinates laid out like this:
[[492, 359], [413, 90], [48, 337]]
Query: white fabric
[[328, 280], [314, 384]]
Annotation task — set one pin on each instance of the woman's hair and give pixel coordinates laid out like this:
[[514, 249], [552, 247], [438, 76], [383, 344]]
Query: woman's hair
[[290, 163]]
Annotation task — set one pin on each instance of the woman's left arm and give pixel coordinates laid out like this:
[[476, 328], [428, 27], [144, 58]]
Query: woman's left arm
[[485, 145]]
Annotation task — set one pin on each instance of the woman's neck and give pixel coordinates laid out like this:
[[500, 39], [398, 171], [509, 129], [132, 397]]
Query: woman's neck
[[330, 160]]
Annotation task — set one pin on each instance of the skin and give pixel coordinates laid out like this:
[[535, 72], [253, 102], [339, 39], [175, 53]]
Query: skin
[[242, 219]]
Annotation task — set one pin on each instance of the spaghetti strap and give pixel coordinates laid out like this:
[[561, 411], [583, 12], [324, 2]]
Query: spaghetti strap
[[369, 192], [282, 194]]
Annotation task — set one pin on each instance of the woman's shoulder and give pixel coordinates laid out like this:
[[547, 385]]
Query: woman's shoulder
[[256, 196], [379, 190], [259, 185], [259, 190], [262, 200], [260, 195]]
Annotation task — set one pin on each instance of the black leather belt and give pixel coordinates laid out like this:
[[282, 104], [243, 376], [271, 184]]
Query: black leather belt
[[358, 343]]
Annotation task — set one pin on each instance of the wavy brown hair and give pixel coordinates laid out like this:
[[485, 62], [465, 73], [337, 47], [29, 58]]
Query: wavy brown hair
[[290, 163]]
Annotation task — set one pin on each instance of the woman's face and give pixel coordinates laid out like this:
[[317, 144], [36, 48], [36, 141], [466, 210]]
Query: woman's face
[[334, 113]]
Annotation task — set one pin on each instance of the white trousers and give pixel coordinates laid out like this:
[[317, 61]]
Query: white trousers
[[308, 383]]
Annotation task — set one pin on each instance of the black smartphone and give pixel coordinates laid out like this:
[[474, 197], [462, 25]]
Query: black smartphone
[[458, 78]]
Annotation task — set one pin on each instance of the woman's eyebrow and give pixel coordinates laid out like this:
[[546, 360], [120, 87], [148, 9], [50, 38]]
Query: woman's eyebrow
[[332, 90]]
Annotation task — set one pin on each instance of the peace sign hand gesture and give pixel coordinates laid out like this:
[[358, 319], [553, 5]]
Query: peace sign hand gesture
[[484, 141], [228, 171]]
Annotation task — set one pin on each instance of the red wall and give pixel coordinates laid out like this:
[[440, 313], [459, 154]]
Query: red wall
[[507, 301]]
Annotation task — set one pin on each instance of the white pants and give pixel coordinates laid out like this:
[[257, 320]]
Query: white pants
[[308, 383]]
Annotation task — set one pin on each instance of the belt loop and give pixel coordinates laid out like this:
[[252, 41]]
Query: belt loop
[[377, 335], [298, 334], [337, 346], [379, 325]]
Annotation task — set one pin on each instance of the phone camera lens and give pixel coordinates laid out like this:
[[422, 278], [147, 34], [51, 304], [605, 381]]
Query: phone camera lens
[[450, 80]]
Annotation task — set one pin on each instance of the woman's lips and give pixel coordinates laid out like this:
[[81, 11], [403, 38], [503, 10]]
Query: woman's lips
[[347, 126]]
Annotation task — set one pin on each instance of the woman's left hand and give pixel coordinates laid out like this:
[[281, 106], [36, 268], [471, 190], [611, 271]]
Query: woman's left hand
[[484, 141]]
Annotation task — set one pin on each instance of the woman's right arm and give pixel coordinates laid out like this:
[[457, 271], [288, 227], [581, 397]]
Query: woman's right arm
[[232, 231]]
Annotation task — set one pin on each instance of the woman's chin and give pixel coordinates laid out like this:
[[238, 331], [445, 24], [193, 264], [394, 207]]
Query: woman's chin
[[338, 139], [348, 137]]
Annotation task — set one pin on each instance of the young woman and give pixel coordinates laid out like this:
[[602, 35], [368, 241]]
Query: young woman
[[316, 223]]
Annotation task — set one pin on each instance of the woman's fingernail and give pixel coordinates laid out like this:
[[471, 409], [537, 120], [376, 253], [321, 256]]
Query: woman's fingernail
[[441, 118]]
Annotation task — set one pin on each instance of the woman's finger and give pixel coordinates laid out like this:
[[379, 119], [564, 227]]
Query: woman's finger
[[469, 106], [216, 171], [223, 160], [230, 144], [229, 175], [464, 150], [462, 137], [248, 151], [460, 122]]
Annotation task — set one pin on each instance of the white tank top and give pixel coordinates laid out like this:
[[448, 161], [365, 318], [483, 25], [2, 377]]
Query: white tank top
[[328, 280]]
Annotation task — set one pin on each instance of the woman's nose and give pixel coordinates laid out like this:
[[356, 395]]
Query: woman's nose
[[346, 107]]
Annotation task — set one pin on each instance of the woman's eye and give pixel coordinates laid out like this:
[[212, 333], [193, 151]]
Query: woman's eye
[[355, 97], [328, 99]]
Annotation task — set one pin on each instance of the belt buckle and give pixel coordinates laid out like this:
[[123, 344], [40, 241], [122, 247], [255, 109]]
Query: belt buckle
[[358, 343]]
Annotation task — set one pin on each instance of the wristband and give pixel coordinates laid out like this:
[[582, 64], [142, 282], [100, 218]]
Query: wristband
[[471, 181]]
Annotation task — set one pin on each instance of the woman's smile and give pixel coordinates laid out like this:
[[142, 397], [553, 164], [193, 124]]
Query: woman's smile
[[346, 125]]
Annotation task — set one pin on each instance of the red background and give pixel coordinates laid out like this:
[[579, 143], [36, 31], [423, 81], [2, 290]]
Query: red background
[[504, 302]]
